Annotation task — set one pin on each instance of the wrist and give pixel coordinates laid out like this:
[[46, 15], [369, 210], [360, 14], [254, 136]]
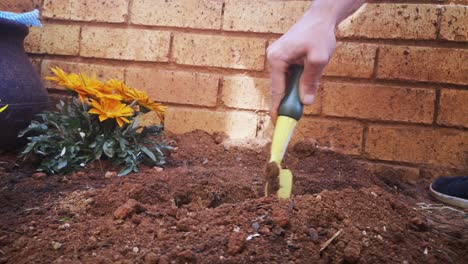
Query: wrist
[[326, 11], [325, 17]]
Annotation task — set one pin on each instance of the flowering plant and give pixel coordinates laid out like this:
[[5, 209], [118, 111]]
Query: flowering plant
[[100, 121]]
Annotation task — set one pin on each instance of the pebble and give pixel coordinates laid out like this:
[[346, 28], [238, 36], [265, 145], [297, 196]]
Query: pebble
[[110, 174], [64, 226], [135, 250], [158, 169], [90, 201], [313, 234], [56, 245], [205, 161], [129, 208]]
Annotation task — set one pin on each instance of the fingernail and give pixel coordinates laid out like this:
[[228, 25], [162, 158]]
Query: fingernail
[[308, 99]]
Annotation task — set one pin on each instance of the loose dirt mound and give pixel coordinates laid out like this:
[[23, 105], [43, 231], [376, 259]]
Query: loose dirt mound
[[207, 207]]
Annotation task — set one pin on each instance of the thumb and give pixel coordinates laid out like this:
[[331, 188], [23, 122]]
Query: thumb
[[310, 81]]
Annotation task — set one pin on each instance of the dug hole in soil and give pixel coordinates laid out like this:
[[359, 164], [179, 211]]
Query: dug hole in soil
[[207, 207]]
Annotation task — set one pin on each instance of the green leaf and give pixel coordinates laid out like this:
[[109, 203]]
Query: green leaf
[[148, 153], [108, 148], [62, 164], [126, 171], [65, 219]]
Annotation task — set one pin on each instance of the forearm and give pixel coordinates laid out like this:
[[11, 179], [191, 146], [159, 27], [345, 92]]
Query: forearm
[[334, 11]]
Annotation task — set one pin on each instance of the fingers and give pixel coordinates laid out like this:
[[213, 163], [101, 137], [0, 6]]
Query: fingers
[[313, 70], [278, 71]]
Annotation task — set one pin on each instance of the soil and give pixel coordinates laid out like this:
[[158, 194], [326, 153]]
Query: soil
[[207, 206]]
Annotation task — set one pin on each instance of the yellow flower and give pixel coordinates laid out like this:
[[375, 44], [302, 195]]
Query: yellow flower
[[108, 108], [64, 79], [131, 94], [128, 93], [158, 108], [83, 85]]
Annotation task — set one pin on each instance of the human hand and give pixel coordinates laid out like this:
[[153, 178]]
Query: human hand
[[310, 42]]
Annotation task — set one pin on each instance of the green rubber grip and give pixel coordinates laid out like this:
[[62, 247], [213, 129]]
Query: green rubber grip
[[291, 104]]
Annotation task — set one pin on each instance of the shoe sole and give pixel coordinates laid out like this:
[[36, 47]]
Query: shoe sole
[[455, 201]]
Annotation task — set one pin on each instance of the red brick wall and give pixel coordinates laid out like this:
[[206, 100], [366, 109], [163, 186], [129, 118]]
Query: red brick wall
[[395, 93]]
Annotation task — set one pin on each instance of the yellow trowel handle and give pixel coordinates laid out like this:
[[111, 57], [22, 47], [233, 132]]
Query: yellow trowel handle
[[290, 111]]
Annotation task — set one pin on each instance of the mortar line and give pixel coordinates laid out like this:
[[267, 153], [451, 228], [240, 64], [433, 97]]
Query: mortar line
[[170, 55], [364, 139], [376, 64], [430, 43], [223, 6], [436, 106], [228, 72], [129, 11], [439, 21]]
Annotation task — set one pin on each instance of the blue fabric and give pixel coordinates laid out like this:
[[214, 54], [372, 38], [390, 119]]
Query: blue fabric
[[452, 186], [27, 19]]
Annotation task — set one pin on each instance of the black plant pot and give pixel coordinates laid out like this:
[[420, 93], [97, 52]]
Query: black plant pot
[[20, 85]]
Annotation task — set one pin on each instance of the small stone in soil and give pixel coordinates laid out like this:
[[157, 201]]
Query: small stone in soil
[[89, 201], [205, 161], [158, 169], [236, 243], [130, 207], [313, 234], [64, 226], [56, 245], [255, 226], [135, 250], [110, 174]]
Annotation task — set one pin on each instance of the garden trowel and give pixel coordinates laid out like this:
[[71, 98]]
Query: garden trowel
[[280, 180]]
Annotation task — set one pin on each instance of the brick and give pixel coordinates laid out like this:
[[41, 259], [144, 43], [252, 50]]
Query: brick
[[237, 125], [204, 14], [453, 109], [340, 136], [19, 5], [54, 39], [251, 93], [447, 147], [246, 92], [379, 102], [86, 10], [391, 21], [393, 172], [125, 44], [423, 64], [175, 86], [454, 23], [102, 72], [262, 15], [219, 51], [352, 60]]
